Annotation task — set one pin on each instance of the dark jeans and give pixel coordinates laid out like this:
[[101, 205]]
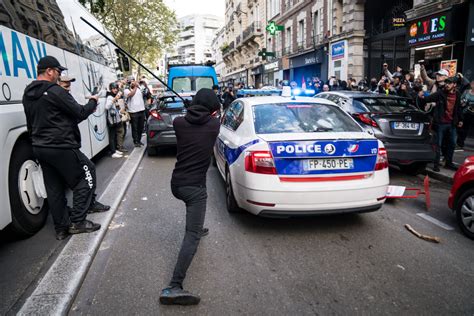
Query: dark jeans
[[446, 132], [67, 168], [138, 122], [195, 199], [113, 137]]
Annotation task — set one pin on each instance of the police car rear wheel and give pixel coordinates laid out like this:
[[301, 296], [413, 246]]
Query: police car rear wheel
[[231, 203], [29, 212], [465, 213]]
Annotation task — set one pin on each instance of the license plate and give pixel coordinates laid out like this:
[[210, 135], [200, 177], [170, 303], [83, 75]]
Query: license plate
[[406, 126], [329, 164]]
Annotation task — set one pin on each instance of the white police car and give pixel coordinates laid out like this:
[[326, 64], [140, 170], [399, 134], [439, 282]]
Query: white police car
[[284, 156]]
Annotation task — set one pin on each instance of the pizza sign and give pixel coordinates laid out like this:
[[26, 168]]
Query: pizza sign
[[429, 29]]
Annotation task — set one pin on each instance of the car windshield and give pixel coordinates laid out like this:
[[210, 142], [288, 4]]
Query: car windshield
[[382, 105], [301, 118]]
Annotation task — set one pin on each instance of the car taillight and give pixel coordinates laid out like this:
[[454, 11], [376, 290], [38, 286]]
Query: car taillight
[[366, 119], [259, 162], [382, 159], [156, 115]]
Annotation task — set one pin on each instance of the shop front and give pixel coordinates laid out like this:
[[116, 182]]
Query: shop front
[[304, 68], [272, 74], [438, 40], [256, 74]]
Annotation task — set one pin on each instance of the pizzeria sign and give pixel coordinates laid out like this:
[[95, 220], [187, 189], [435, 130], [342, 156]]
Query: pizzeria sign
[[433, 28]]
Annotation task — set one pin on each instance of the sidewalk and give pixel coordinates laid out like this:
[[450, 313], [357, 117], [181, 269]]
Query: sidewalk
[[446, 175]]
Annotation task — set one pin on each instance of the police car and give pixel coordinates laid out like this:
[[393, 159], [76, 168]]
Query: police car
[[289, 156]]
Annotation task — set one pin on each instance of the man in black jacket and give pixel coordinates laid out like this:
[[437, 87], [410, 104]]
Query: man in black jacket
[[196, 134], [447, 115], [52, 117]]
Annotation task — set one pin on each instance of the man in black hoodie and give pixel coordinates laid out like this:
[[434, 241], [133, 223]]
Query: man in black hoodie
[[196, 134], [52, 118]]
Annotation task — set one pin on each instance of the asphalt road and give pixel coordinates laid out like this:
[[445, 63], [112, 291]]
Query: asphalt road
[[360, 264], [24, 262]]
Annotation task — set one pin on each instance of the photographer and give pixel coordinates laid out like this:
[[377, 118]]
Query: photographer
[[136, 109], [229, 97]]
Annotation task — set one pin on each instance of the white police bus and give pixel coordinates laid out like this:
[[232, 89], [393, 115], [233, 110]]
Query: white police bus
[[30, 30]]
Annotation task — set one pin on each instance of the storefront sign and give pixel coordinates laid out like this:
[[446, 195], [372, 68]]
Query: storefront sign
[[433, 28], [451, 66], [311, 58], [271, 67], [398, 22], [338, 50]]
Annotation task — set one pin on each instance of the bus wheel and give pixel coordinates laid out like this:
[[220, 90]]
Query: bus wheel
[[29, 211]]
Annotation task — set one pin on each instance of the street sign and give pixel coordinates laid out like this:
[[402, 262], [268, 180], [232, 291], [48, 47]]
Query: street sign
[[272, 28], [264, 54]]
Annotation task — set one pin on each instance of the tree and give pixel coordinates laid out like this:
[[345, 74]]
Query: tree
[[145, 29]]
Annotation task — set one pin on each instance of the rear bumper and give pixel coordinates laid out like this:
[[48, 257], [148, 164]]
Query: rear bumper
[[161, 138], [319, 200], [282, 213], [405, 153]]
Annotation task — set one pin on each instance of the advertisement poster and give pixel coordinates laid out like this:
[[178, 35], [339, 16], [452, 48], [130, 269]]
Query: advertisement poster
[[451, 66]]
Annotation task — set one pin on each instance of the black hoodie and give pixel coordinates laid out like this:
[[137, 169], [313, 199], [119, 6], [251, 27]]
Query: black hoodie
[[52, 115], [196, 134]]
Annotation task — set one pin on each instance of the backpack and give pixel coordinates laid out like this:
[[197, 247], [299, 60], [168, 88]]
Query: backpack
[[113, 116]]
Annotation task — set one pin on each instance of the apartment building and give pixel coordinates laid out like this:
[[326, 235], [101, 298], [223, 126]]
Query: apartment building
[[195, 38], [244, 38], [216, 45]]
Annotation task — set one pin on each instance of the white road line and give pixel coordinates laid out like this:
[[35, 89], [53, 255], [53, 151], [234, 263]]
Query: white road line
[[435, 221]]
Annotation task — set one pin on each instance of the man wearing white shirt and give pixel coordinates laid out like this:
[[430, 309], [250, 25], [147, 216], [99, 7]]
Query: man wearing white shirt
[[136, 109]]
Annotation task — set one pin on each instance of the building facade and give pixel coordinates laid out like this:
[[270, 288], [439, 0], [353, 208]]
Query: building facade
[[345, 38], [244, 38], [195, 38], [216, 45]]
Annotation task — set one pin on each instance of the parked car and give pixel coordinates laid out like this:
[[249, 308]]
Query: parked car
[[404, 129], [461, 198], [164, 110], [283, 156]]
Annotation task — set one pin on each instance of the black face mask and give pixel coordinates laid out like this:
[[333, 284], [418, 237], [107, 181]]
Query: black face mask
[[373, 84]]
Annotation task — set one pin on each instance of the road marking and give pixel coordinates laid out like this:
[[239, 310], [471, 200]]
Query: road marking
[[435, 221]]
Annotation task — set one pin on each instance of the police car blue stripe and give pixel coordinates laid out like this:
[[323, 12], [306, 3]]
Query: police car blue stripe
[[232, 154]]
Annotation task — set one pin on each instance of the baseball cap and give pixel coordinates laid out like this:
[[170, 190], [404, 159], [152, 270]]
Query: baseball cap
[[450, 80], [50, 62], [397, 75], [67, 79], [443, 72]]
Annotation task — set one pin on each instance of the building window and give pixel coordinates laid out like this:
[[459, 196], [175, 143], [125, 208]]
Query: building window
[[288, 40], [316, 27], [301, 34]]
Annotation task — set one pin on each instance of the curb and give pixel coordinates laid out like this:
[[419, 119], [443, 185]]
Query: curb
[[439, 176], [59, 286]]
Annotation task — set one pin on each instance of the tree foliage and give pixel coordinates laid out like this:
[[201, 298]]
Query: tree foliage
[[143, 28]]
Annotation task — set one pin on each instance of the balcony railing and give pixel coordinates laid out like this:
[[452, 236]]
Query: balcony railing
[[254, 29]]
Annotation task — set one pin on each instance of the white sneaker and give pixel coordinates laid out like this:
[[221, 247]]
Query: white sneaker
[[115, 155], [118, 152]]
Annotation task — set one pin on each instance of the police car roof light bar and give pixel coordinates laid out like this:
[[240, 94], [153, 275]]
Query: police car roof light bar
[[132, 58]]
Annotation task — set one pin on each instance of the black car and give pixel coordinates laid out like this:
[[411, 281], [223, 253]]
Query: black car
[[160, 132], [403, 128]]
